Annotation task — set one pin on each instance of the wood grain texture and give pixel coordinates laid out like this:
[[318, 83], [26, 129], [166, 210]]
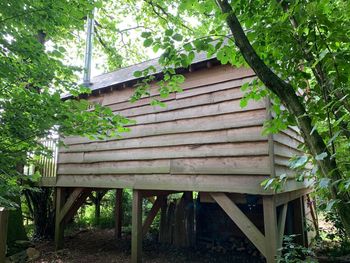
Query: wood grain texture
[[209, 165], [136, 227], [246, 134], [156, 153], [218, 122]]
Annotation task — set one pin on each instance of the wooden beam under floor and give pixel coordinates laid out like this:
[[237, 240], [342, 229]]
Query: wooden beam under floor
[[136, 228]]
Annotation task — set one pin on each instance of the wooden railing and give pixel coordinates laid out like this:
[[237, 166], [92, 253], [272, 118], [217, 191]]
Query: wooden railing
[[46, 165]]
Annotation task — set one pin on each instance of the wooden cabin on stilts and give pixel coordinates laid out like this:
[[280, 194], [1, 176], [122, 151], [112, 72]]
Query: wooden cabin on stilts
[[202, 141]]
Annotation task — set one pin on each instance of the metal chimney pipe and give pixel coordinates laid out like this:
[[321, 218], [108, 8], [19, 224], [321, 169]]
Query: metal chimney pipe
[[88, 49]]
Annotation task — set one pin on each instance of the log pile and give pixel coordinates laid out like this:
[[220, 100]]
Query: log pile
[[177, 222]]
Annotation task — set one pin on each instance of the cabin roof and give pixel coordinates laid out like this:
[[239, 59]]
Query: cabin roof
[[124, 75]]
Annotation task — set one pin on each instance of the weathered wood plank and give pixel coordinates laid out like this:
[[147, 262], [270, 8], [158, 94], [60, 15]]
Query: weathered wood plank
[[241, 220], [125, 167], [218, 122], [215, 87], [156, 153], [196, 79], [285, 151], [212, 165], [284, 139], [59, 224], [70, 201], [172, 104], [223, 165], [245, 134], [294, 135], [196, 112], [245, 184], [281, 224], [270, 226]]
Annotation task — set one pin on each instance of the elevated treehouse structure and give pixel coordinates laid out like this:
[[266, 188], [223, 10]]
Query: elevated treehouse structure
[[201, 141]]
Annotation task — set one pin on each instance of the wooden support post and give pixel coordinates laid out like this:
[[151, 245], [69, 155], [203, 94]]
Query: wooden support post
[[242, 221], [282, 224], [152, 214], [136, 231], [3, 233], [118, 213], [66, 210], [59, 224], [271, 231]]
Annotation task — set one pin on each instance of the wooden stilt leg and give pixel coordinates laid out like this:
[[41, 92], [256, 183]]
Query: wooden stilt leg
[[136, 233], [270, 225], [282, 224], [118, 213], [59, 224]]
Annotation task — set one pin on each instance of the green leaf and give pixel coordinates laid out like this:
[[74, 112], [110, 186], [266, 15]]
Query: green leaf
[[169, 32], [188, 47], [137, 74], [146, 34], [148, 42], [321, 156], [324, 183], [298, 162], [177, 37], [331, 204]]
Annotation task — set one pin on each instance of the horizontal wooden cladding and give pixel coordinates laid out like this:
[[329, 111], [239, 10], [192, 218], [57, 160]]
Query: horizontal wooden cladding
[[218, 122], [293, 134], [286, 151], [195, 79], [285, 170], [246, 184], [286, 140], [223, 165], [172, 152], [197, 112], [214, 96], [194, 138]]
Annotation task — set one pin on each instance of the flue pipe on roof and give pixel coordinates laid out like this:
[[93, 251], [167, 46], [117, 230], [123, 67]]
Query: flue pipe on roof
[[88, 49]]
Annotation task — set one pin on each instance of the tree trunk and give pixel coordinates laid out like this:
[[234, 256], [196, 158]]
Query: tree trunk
[[287, 95], [43, 212]]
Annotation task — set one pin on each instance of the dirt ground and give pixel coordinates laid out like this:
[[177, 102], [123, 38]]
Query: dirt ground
[[100, 246]]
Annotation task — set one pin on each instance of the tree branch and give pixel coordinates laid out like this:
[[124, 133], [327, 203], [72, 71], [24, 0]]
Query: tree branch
[[283, 90]]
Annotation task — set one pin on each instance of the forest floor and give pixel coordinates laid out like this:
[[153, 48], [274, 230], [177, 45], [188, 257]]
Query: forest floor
[[99, 245]]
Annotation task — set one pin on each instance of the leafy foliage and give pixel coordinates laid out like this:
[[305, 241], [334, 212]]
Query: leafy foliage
[[33, 78]]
